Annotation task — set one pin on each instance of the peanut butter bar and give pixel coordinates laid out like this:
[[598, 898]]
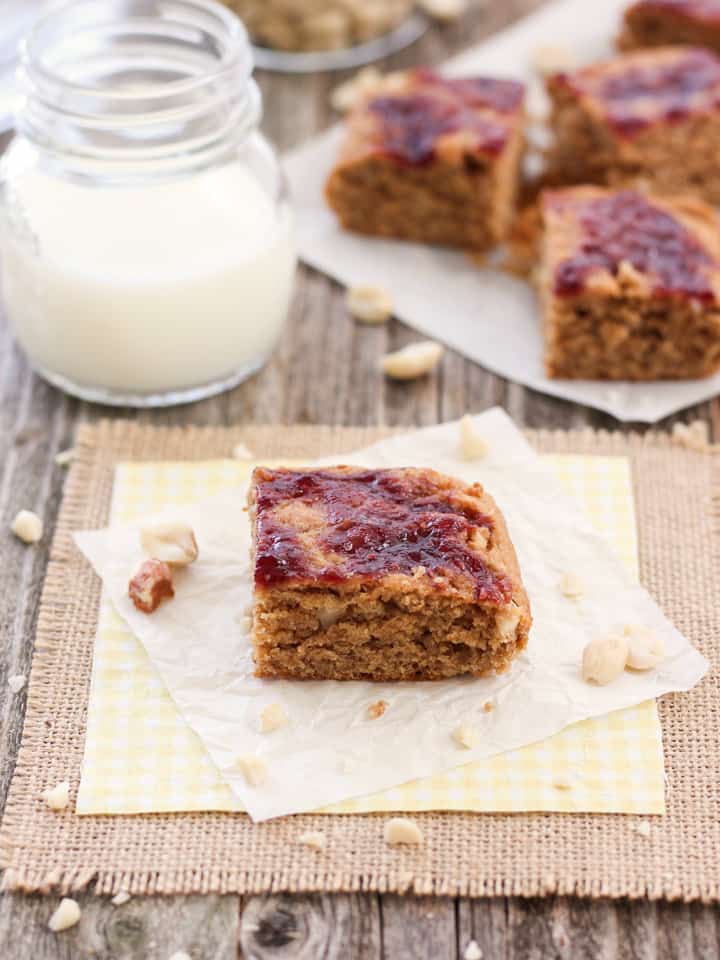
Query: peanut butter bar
[[653, 23], [650, 119], [437, 161], [401, 574], [629, 285]]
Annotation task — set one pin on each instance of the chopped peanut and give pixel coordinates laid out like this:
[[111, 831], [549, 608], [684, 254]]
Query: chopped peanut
[[120, 898], [472, 951], [571, 585], [553, 58], [150, 585], [241, 452], [273, 717], [66, 915], [64, 458], [488, 707], [27, 526], [57, 797], [444, 11], [16, 682], [402, 830], [377, 709], [604, 659], [472, 445], [643, 828], [313, 838], [645, 648], [414, 360], [253, 769], [369, 304], [464, 736], [693, 436], [170, 542]]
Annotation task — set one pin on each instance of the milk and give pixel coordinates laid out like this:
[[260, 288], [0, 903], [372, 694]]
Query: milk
[[146, 289]]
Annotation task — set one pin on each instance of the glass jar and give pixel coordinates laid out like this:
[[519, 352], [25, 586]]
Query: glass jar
[[146, 244]]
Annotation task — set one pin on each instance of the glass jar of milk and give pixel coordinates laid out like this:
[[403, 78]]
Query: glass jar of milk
[[146, 243]]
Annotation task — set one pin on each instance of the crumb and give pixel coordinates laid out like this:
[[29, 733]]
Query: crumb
[[150, 585], [563, 783], [172, 542], [314, 839], [571, 585], [66, 915], [412, 361], [642, 828], [604, 659], [472, 445], [64, 458], [692, 436], [402, 830], [369, 304], [121, 897], [253, 769], [27, 526], [57, 797], [16, 682], [464, 736], [272, 718], [377, 709], [241, 452], [488, 707], [472, 951]]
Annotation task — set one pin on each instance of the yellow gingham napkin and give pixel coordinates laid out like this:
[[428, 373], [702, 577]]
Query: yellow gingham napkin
[[141, 757]]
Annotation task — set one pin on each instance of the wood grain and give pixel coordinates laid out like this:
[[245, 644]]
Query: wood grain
[[325, 371]]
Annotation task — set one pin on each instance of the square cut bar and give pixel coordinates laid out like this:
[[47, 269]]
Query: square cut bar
[[629, 285], [400, 574], [434, 161], [657, 23], [648, 119]]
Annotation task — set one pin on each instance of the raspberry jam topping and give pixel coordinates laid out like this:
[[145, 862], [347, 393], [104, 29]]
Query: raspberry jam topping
[[626, 227], [378, 522], [411, 124]]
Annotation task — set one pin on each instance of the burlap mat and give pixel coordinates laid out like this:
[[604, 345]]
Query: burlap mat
[[467, 854]]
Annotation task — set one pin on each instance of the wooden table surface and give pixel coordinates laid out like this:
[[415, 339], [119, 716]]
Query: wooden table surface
[[325, 371]]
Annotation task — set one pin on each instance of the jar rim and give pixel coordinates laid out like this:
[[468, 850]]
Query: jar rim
[[237, 56]]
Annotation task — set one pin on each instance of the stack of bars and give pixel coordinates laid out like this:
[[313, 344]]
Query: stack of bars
[[626, 243]]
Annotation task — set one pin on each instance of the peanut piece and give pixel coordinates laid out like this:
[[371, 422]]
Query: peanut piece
[[120, 898], [66, 915], [241, 452], [369, 304], [604, 659], [64, 458], [693, 436], [472, 445], [150, 584], [253, 769], [16, 682], [645, 648], [464, 736], [402, 830], [377, 709], [414, 360], [444, 10], [552, 58], [27, 526], [571, 585], [472, 951], [273, 717], [57, 797], [314, 839], [488, 707], [643, 828], [170, 542]]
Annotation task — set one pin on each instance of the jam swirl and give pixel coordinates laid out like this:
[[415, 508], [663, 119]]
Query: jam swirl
[[626, 227], [412, 123], [377, 522]]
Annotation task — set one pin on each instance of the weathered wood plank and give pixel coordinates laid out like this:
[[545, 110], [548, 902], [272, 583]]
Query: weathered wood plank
[[309, 927], [148, 928]]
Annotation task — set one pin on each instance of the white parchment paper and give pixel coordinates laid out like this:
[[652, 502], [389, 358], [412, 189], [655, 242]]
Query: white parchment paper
[[330, 750], [485, 314]]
